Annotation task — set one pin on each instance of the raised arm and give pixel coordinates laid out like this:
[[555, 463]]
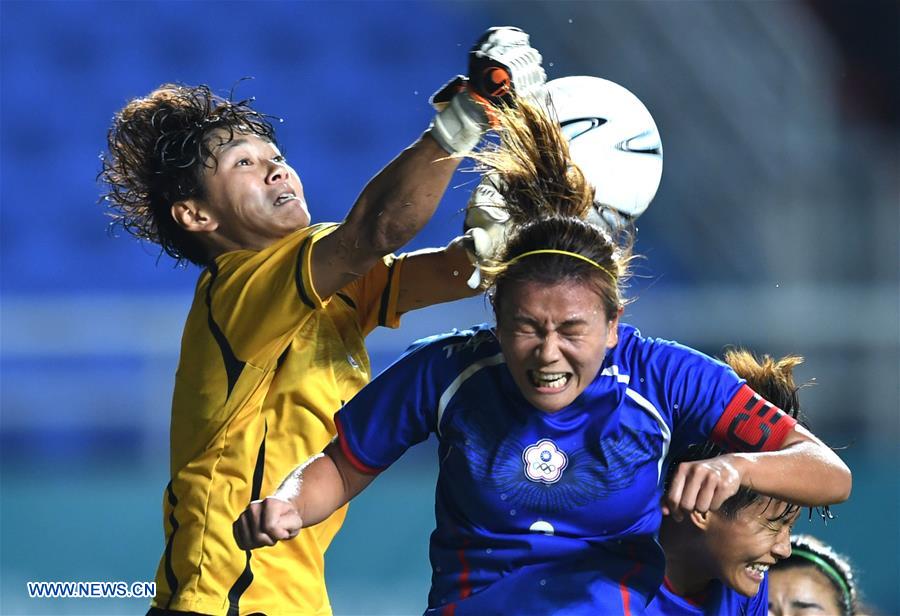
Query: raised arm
[[311, 493], [398, 201], [392, 208], [804, 471]]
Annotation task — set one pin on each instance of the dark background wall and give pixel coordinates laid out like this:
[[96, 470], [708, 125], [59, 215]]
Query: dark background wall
[[775, 228]]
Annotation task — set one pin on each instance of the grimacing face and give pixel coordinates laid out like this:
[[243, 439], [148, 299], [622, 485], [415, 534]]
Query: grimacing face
[[554, 339], [744, 547], [254, 197], [802, 591]]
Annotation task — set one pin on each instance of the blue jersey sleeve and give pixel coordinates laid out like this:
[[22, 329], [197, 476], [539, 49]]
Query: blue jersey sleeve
[[697, 389], [700, 398], [397, 410]]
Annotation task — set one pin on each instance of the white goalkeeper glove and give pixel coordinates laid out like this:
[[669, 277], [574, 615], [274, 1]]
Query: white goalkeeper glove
[[502, 62], [485, 226]]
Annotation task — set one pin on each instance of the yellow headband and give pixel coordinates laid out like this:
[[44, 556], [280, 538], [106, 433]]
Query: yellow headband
[[552, 251]]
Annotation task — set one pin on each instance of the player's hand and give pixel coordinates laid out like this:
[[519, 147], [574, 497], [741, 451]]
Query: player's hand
[[501, 63], [266, 522], [702, 486], [486, 221]]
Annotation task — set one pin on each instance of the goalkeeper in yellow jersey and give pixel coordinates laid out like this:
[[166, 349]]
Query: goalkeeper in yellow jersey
[[273, 343]]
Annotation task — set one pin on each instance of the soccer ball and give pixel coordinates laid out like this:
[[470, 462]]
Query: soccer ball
[[614, 140]]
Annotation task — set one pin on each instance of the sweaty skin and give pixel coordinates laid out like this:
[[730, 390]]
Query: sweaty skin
[[554, 339]]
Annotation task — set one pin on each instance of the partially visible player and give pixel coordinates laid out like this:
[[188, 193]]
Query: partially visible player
[[716, 561], [814, 581], [553, 426], [274, 341]]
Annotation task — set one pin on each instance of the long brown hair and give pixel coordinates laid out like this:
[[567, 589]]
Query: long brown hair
[[547, 198], [771, 378]]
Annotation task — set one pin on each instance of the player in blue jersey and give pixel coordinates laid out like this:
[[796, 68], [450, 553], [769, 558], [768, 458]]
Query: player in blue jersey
[[814, 581], [554, 425], [716, 561]]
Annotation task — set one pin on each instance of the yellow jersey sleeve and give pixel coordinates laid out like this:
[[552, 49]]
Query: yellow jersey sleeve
[[258, 299], [374, 295]]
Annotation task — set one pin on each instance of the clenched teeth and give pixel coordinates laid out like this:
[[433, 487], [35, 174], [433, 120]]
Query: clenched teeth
[[554, 380], [285, 198]]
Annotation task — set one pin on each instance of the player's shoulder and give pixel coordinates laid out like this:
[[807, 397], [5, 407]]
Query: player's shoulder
[[440, 359], [285, 248], [631, 340], [638, 352], [667, 603], [719, 600], [633, 350], [458, 345]]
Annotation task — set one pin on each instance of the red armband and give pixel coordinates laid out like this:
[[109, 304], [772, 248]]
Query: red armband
[[751, 423]]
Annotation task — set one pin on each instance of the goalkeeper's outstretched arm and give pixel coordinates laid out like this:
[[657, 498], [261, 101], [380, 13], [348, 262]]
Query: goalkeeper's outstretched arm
[[391, 209], [401, 198]]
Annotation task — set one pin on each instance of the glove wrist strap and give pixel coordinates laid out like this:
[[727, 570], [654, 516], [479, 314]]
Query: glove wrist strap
[[458, 127]]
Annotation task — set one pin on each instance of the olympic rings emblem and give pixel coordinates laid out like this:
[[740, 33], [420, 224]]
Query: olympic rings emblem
[[544, 461]]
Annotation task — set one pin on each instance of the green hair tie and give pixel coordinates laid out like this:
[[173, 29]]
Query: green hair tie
[[828, 570]]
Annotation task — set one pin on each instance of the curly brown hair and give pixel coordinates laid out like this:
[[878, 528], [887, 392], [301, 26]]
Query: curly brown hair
[[159, 146]]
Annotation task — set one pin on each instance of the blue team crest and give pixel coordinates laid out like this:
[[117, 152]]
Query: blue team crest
[[544, 461]]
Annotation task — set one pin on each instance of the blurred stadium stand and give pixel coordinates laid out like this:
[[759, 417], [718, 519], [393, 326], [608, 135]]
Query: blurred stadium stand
[[775, 228]]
